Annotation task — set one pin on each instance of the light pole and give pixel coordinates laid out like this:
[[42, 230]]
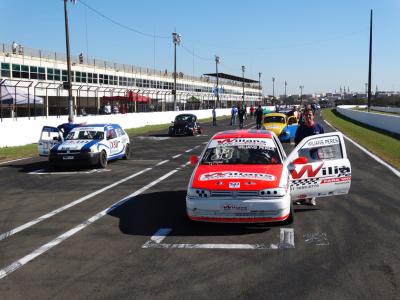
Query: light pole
[[301, 94], [285, 93], [176, 39], [259, 82], [68, 85], [273, 88], [370, 62], [216, 70], [243, 69]]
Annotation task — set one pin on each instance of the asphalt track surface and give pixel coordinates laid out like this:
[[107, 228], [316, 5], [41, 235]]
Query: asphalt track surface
[[346, 247]]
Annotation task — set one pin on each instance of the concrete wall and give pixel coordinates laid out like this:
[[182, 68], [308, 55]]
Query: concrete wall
[[386, 122], [21, 131], [386, 109]]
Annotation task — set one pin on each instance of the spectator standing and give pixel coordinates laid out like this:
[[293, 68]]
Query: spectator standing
[[107, 108], [259, 115], [67, 127], [241, 114], [233, 115], [214, 117], [252, 111], [308, 128], [14, 46]]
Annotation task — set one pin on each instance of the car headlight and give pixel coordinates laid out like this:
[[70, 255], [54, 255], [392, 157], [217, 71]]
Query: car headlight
[[198, 193], [276, 192]]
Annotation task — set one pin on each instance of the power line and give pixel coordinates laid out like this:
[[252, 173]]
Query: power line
[[122, 25]]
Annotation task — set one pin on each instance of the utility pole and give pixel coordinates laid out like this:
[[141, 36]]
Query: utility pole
[[259, 82], [68, 85], [301, 94], [273, 88], [285, 93], [370, 62], [243, 69], [216, 70], [176, 39]]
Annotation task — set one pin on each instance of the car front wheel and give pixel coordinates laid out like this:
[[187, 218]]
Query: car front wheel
[[102, 160]]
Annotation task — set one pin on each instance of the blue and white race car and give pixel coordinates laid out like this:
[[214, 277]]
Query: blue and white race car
[[94, 144]]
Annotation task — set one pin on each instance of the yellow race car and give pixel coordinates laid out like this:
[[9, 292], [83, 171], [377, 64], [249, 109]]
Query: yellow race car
[[284, 127]]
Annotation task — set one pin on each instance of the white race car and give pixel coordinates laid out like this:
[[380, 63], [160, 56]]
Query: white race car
[[88, 144]]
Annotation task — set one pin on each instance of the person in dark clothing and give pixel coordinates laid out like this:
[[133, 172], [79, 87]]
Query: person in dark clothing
[[67, 127], [308, 128], [214, 117], [259, 115], [241, 114]]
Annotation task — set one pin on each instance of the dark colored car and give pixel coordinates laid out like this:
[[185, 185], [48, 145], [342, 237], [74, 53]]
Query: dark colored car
[[185, 124]]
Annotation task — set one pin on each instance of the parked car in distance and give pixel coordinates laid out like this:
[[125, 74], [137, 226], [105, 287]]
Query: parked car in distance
[[283, 126], [185, 124]]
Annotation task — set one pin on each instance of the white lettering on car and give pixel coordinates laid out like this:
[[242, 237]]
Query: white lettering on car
[[236, 175]]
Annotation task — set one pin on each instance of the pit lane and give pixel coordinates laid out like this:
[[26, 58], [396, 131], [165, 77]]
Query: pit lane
[[344, 237]]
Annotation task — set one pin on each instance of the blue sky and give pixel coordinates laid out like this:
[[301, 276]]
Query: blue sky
[[316, 43]]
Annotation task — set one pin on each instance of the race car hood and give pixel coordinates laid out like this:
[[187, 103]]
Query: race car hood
[[75, 145], [275, 127], [237, 177]]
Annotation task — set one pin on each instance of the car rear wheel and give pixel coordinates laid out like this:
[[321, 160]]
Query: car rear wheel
[[171, 132], [102, 159], [127, 152]]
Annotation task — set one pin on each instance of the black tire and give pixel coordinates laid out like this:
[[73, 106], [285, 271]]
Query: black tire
[[200, 130], [102, 160], [127, 152], [54, 167], [171, 132], [290, 219]]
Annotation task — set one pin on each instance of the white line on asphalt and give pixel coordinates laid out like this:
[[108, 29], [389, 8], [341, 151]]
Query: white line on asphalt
[[189, 150], [158, 237], [162, 162], [286, 238], [9, 161], [45, 172], [19, 263], [379, 160], [176, 156], [58, 210], [286, 242]]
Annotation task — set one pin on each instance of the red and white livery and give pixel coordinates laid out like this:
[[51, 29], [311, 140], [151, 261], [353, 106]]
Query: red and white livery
[[244, 176]]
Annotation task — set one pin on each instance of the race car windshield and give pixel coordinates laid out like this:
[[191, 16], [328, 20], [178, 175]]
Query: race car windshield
[[85, 135], [274, 119], [183, 118], [247, 152]]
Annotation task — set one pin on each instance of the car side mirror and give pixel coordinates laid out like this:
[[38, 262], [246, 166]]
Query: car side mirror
[[193, 159], [300, 161]]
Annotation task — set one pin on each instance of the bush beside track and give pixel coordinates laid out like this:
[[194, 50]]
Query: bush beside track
[[383, 144], [30, 150]]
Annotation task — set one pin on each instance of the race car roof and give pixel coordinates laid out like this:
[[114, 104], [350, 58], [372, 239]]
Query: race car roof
[[100, 125], [251, 133], [275, 115]]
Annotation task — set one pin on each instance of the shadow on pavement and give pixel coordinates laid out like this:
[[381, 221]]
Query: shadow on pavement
[[147, 213]]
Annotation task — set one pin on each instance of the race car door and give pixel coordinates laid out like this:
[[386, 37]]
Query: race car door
[[48, 138], [115, 144], [319, 167]]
